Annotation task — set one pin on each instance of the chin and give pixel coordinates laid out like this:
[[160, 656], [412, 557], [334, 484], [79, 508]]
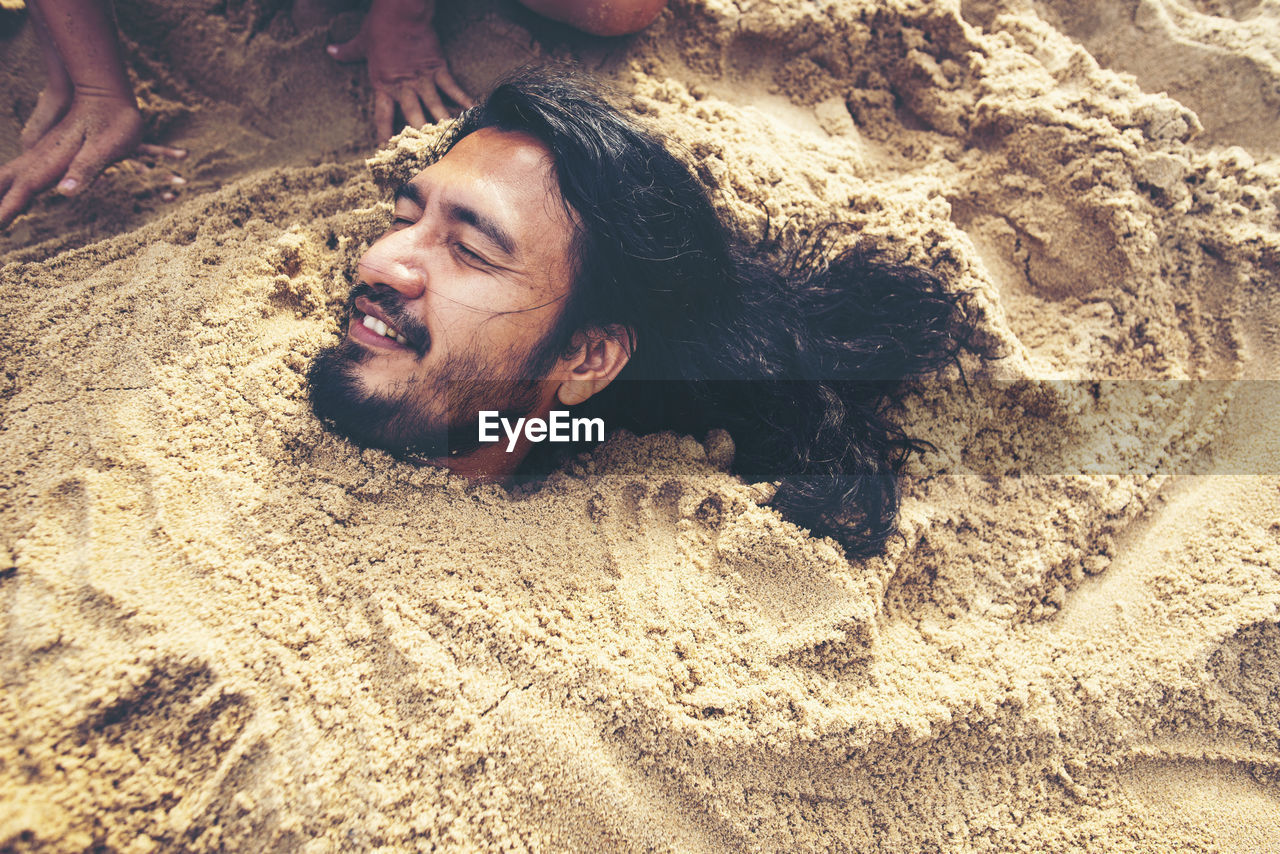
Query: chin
[[341, 399]]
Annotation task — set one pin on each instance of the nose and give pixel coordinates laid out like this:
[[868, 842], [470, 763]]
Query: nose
[[391, 262]]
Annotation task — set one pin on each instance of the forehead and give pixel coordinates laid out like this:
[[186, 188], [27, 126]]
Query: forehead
[[509, 177]]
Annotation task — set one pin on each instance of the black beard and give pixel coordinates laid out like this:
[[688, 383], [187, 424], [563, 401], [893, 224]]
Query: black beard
[[431, 418]]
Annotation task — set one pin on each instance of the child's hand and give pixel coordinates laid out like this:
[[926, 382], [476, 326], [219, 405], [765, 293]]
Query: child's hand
[[95, 132], [406, 65]]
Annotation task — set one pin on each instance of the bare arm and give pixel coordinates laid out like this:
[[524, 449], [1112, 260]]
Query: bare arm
[[55, 97], [85, 38]]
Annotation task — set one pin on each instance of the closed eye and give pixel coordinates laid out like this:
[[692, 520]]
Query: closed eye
[[471, 256]]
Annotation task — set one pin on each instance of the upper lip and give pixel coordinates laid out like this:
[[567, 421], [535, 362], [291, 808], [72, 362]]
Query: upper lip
[[365, 306]]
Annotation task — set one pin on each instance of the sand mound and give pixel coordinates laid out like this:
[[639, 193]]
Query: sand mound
[[224, 628]]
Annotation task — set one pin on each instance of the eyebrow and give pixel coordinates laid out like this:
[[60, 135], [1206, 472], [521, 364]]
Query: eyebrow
[[491, 229]]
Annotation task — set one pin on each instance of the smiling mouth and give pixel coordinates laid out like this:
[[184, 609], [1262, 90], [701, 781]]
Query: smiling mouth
[[370, 326], [372, 323]]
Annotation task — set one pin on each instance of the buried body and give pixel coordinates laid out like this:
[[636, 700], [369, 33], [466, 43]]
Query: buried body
[[557, 257]]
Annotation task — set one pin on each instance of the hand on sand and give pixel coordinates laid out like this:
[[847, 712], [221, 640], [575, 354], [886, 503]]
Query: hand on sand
[[69, 144], [406, 65]]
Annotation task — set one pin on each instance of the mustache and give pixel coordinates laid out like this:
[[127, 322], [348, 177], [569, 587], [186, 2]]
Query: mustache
[[392, 305]]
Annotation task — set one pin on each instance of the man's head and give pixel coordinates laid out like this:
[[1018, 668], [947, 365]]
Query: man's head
[[466, 304]]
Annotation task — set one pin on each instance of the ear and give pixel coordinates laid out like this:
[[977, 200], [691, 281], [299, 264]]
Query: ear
[[601, 354]]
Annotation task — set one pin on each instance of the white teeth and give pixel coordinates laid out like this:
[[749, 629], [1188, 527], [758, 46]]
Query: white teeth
[[371, 322]]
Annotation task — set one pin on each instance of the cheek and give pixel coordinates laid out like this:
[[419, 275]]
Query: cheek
[[516, 336], [497, 330]]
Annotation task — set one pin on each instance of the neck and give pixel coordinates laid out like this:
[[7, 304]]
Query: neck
[[490, 462]]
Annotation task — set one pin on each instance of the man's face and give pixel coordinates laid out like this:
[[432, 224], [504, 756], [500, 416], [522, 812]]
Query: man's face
[[455, 302]]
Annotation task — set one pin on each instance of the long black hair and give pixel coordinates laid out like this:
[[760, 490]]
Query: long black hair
[[798, 356]]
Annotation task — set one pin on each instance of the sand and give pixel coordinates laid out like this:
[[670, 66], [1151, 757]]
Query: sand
[[225, 629]]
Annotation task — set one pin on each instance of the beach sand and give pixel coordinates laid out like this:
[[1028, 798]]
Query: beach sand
[[225, 629]]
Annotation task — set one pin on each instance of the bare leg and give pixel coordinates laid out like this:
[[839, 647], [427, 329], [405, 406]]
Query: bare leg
[[600, 17]]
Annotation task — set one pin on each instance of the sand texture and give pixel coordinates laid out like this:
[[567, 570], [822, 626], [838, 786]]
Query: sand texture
[[222, 628]]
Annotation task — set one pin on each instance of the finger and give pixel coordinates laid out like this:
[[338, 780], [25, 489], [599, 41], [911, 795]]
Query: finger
[[48, 112], [6, 181], [431, 98], [383, 113], [411, 109], [348, 51], [162, 151], [86, 166], [451, 88], [39, 170], [15, 200]]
